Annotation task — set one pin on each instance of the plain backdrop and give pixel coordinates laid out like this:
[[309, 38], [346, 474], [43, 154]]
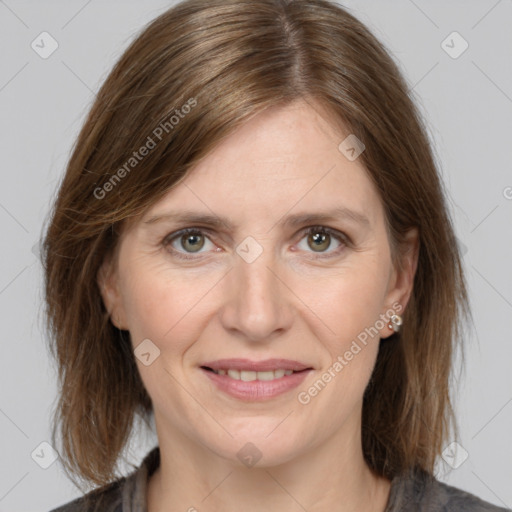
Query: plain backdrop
[[467, 101]]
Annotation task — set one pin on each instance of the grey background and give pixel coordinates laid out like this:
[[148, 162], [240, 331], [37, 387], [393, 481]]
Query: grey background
[[468, 105]]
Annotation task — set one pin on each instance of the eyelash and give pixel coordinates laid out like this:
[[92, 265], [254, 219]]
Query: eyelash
[[341, 237]]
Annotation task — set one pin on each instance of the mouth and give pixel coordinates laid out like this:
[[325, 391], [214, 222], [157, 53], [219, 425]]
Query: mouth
[[249, 376], [255, 380]]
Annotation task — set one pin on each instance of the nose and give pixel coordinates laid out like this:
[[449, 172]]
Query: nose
[[258, 304]]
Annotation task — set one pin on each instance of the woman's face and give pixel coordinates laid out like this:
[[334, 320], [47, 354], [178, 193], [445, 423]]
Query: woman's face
[[250, 283]]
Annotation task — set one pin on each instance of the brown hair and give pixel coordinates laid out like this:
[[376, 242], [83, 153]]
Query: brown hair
[[229, 61]]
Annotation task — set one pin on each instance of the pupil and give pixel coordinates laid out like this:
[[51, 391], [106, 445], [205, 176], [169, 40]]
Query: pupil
[[193, 240], [321, 238]]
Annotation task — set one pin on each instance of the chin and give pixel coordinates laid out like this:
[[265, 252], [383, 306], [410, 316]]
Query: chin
[[261, 447]]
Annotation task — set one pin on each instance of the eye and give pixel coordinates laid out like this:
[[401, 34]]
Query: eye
[[320, 239], [190, 240], [187, 242]]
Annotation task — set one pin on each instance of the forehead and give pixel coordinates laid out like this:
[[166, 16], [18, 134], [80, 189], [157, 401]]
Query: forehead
[[285, 159]]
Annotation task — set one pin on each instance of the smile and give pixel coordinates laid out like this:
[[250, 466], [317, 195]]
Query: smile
[[249, 376], [255, 385]]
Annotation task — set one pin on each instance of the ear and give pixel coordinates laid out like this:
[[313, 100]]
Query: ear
[[401, 281], [109, 289]]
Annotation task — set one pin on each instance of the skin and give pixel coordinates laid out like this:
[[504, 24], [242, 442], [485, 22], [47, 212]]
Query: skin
[[285, 304]]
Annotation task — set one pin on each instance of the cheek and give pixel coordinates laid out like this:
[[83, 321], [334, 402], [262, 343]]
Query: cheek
[[350, 307], [162, 305], [350, 304], [351, 301]]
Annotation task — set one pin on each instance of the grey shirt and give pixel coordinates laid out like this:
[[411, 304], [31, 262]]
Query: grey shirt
[[415, 492]]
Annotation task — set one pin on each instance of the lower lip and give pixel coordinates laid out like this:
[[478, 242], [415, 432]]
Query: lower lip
[[256, 390]]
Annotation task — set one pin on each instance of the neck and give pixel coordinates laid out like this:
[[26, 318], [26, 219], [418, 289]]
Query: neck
[[331, 476]]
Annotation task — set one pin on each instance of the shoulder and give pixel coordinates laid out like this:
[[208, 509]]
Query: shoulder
[[104, 499], [421, 492], [128, 491], [453, 498]]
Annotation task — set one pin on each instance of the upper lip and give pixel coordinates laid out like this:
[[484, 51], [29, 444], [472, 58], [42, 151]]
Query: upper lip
[[256, 366]]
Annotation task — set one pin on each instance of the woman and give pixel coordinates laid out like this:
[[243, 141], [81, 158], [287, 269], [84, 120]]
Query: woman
[[251, 246]]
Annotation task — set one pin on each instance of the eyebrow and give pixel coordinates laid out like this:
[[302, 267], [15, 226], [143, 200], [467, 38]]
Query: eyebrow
[[215, 221]]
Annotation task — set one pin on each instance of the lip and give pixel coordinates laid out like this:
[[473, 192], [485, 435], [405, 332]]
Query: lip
[[256, 390], [256, 366]]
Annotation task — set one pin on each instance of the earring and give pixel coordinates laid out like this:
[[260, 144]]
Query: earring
[[395, 322]]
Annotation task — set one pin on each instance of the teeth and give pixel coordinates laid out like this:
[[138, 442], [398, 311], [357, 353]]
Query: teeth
[[249, 376], [234, 374], [266, 375]]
